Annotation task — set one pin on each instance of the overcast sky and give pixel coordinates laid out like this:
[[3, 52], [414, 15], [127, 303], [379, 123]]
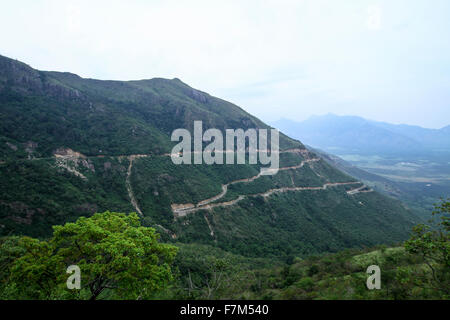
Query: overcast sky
[[383, 60]]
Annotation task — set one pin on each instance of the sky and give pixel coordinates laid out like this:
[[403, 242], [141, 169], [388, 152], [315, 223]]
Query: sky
[[385, 60]]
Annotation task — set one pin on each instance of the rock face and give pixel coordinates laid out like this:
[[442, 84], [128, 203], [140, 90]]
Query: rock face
[[70, 160], [19, 74], [198, 96], [68, 153], [27, 80]]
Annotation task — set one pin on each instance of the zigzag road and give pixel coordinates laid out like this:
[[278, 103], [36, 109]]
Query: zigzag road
[[180, 210]]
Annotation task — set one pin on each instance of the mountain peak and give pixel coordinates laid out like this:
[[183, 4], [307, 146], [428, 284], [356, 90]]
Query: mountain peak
[[14, 67]]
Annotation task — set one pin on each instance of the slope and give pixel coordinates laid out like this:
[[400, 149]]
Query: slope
[[72, 146]]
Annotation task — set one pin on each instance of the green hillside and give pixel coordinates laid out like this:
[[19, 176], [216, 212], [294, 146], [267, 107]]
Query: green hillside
[[70, 147]]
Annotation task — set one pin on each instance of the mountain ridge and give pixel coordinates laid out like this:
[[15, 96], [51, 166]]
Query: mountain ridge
[[347, 134], [72, 146]]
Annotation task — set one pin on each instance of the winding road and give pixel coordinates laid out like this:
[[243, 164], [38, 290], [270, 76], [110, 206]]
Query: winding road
[[180, 210]]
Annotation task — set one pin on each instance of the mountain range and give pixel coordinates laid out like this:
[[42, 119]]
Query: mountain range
[[407, 162], [352, 134], [71, 146]]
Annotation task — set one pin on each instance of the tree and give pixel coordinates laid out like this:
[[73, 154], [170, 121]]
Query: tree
[[118, 258], [10, 250], [432, 243]]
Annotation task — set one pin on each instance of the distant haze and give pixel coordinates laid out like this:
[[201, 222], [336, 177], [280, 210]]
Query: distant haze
[[344, 135], [380, 59]]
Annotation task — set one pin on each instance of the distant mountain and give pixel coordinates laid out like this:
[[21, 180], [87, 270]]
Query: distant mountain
[[446, 129], [355, 135], [407, 162], [429, 139], [415, 195], [70, 147]]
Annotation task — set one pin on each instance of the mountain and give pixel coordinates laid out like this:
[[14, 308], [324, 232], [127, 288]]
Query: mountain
[[407, 162], [355, 135], [446, 129], [377, 182], [429, 139], [70, 147]]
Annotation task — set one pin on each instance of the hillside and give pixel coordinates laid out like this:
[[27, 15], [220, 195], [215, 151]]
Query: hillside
[[407, 162], [70, 147], [419, 199], [380, 183]]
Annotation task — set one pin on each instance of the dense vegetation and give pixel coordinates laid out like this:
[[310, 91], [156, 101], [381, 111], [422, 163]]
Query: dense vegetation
[[37, 194], [295, 224], [418, 268], [119, 258], [103, 123], [73, 147]]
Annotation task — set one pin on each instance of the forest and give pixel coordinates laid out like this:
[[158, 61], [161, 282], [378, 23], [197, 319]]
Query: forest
[[120, 259]]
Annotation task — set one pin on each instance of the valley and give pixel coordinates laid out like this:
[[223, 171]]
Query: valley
[[408, 163]]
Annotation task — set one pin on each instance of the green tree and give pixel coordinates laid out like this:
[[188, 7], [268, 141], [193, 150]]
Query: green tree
[[432, 243], [10, 250], [118, 258]]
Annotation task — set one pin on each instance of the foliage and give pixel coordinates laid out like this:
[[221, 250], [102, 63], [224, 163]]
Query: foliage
[[108, 120], [35, 195], [298, 224], [433, 245], [106, 243], [221, 256], [117, 257], [418, 269]]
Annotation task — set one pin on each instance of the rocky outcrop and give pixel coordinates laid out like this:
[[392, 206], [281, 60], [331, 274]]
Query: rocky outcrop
[[21, 77]]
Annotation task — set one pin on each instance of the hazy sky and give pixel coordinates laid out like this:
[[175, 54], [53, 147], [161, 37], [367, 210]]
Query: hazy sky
[[383, 60]]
